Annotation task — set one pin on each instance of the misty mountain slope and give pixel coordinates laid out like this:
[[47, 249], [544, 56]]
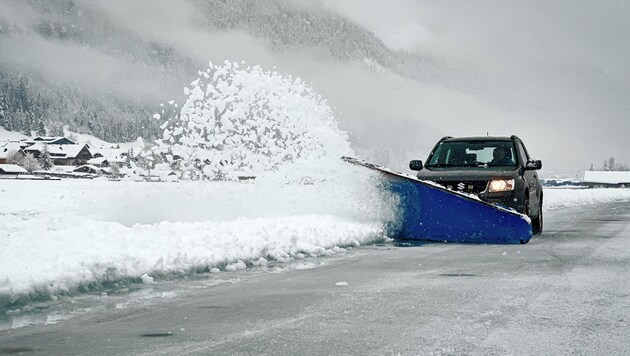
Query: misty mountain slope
[[99, 69], [65, 65], [288, 26]]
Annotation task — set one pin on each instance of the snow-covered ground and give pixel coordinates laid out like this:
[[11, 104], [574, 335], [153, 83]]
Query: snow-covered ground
[[56, 236], [563, 198], [6, 135]]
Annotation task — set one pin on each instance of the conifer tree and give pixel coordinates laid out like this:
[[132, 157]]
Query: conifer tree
[[46, 161]]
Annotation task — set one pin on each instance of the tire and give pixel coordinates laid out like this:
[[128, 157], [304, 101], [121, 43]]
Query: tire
[[537, 223]]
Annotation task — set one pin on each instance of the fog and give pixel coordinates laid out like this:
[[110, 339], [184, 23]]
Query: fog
[[556, 71], [552, 73]]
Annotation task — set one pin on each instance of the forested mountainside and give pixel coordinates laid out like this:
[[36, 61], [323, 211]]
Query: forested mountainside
[[75, 63]]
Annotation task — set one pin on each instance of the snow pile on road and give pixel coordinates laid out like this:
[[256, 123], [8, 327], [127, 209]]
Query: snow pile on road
[[63, 236], [564, 198]]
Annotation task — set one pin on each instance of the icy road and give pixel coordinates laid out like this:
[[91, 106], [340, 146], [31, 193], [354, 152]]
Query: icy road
[[566, 292]]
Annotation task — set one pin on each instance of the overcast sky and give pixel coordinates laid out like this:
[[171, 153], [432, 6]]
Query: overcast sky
[[558, 70]]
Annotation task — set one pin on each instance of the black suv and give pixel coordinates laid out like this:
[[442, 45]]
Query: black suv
[[496, 169]]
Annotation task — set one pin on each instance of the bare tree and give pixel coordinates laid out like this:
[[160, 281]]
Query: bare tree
[[30, 163], [115, 171], [14, 157]]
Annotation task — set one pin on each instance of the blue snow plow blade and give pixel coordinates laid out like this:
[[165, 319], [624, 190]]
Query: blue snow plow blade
[[431, 212]]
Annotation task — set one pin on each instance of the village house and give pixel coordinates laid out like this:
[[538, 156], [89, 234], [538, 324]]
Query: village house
[[88, 168], [60, 140], [11, 150], [11, 170], [61, 154], [108, 157]]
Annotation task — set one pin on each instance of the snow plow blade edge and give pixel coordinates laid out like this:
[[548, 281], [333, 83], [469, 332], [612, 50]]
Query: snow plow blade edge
[[431, 212]]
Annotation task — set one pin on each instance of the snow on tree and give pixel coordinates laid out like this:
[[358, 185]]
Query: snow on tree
[[3, 107], [41, 128], [30, 163], [245, 121], [611, 164], [114, 171], [46, 161], [14, 157]]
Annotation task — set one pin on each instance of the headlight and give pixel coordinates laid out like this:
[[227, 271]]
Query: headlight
[[501, 185]]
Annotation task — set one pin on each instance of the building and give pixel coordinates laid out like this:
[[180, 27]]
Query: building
[[88, 168], [60, 140], [597, 179], [11, 169], [62, 155], [11, 150]]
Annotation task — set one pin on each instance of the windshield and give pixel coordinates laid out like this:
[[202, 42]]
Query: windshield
[[473, 154]]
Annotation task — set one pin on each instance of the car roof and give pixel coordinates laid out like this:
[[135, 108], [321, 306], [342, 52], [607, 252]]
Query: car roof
[[479, 138]]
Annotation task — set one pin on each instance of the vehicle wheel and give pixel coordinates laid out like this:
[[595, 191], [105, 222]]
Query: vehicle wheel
[[537, 223]]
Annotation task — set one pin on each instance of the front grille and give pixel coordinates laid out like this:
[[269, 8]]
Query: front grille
[[473, 187]]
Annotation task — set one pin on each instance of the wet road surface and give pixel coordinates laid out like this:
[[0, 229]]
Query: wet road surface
[[564, 293]]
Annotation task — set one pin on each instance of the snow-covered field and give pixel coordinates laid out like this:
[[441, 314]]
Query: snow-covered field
[[563, 198], [56, 236]]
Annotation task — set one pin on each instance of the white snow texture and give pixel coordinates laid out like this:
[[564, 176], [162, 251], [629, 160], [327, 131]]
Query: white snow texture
[[246, 121]]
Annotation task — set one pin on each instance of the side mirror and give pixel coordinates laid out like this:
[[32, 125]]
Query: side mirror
[[415, 165], [533, 165]]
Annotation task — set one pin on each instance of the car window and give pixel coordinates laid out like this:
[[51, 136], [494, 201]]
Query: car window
[[473, 153], [522, 152]]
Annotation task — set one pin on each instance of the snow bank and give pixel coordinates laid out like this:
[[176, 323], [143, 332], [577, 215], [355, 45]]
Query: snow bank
[[56, 237], [563, 198], [609, 177]]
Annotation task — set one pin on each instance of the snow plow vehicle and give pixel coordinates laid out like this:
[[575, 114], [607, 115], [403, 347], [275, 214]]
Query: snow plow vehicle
[[472, 189]]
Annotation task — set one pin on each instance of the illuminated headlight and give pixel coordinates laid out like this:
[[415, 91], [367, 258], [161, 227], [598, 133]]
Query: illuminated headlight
[[501, 185]]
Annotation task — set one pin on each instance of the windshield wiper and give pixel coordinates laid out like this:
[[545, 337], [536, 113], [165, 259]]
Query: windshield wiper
[[439, 165], [500, 165], [470, 165]]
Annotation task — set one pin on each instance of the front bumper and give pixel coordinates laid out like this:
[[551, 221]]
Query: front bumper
[[508, 199], [511, 199]]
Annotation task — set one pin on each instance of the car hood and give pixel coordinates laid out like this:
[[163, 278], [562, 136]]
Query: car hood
[[467, 173]]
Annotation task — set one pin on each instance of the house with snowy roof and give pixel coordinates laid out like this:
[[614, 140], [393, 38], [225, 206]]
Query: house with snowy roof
[[11, 150], [88, 168], [11, 169], [57, 140], [107, 157], [63, 154]]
